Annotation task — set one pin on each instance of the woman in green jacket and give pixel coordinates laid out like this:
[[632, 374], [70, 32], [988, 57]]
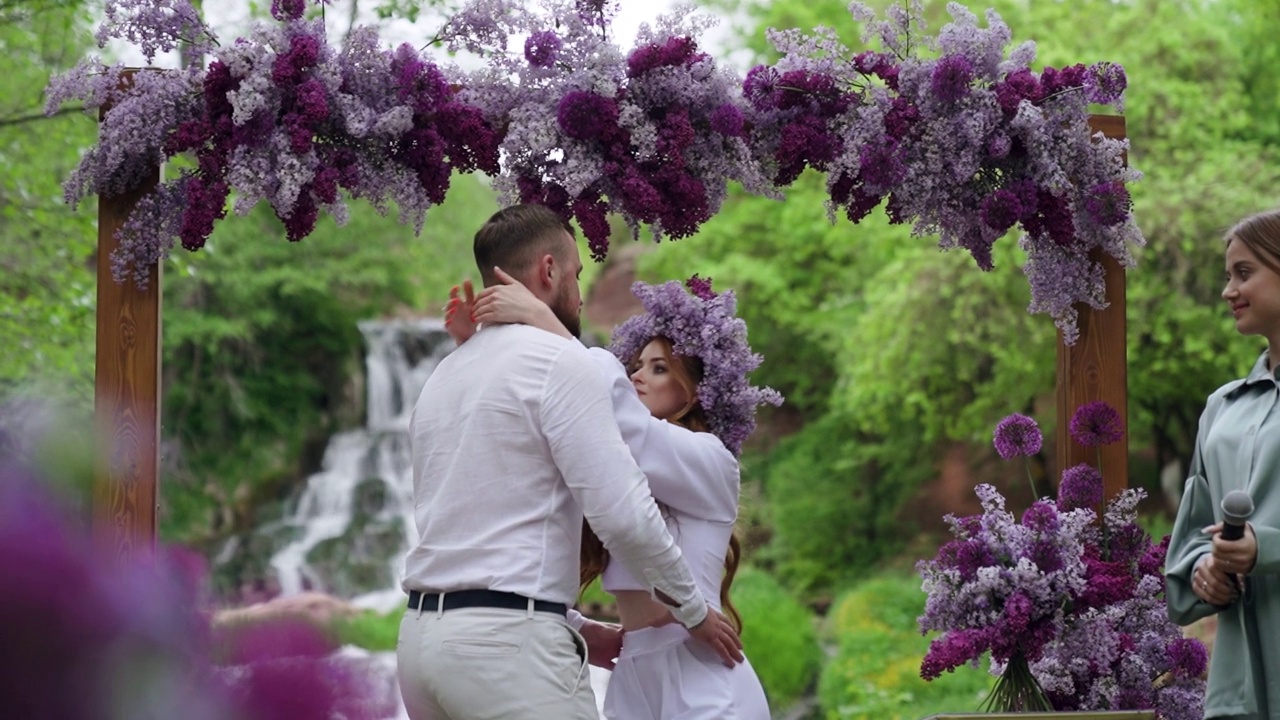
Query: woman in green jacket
[[1238, 448]]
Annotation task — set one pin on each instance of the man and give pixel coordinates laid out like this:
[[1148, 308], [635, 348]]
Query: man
[[513, 442]]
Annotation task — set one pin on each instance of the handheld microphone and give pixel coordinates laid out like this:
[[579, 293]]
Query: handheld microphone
[[1237, 506]]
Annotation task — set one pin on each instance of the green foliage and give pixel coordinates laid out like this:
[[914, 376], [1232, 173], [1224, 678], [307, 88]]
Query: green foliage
[[47, 288], [836, 495], [261, 344], [875, 673], [778, 636]]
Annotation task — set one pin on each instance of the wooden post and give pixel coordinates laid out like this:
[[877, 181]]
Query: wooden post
[[126, 393], [1096, 367]]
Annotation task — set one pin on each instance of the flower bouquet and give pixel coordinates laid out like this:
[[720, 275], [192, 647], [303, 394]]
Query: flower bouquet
[[1071, 610]]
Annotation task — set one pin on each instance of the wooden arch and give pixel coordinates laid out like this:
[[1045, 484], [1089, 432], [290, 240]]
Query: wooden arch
[[127, 383]]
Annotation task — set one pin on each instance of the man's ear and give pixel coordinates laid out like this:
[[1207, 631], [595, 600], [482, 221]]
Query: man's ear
[[546, 271]]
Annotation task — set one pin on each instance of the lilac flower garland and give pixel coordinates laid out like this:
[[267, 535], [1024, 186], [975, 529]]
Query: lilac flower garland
[[1080, 602], [948, 131], [964, 145], [278, 116], [653, 136]]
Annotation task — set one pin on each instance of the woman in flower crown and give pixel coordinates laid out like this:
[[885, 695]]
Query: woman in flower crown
[[1238, 448], [678, 379]]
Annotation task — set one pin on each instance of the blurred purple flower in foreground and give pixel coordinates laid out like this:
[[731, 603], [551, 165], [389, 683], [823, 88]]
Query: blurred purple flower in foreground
[[88, 636]]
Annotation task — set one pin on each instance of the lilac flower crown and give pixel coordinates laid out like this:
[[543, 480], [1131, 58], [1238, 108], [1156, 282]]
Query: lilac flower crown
[[701, 324]]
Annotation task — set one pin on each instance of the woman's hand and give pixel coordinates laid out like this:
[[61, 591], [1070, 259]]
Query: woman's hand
[[459, 313], [1212, 584], [1236, 557], [512, 302]]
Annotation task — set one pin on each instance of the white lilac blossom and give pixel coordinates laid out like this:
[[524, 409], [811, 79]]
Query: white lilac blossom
[[1079, 604]]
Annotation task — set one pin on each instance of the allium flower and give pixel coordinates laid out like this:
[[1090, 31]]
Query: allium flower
[[1018, 435], [1096, 423], [1081, 487]]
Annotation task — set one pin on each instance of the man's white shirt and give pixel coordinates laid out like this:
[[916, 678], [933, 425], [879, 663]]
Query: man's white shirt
[[513, 441]]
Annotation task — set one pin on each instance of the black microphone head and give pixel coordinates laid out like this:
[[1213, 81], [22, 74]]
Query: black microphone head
[[1237, 506]]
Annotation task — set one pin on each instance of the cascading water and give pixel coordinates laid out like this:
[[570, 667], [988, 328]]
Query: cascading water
[[353, 523]]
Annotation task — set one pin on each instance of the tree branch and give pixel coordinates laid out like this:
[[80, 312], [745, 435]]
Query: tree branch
[[20, 119]]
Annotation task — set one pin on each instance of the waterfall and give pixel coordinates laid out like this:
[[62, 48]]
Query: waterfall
[[353, 523]]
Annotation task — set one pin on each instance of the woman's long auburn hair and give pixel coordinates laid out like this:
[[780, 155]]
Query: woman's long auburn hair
[[687, 371]]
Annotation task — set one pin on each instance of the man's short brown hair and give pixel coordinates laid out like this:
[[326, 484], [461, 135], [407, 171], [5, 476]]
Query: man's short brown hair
[[515, 237]]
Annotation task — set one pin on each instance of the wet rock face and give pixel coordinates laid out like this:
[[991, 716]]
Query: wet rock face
[[358, 560]]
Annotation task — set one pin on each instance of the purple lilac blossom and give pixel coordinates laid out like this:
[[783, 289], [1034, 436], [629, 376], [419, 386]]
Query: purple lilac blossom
[[145, 630], [156, 26], [285, 10], [923, 135], [276, 116], [1108, 203], [541, 48], [700, 287], [951, 77], [1017, 435], [1096, 423], [653, 135]]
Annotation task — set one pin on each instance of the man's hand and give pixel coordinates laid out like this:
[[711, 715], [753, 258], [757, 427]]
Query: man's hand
[[604, 642], [717, 633]]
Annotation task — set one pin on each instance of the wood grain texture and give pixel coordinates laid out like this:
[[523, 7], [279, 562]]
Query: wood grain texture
[[1096, 367], [126, 394]]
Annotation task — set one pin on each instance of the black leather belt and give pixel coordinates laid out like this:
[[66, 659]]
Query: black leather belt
[[481, 598]]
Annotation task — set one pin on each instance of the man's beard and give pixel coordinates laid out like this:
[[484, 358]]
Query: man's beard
[[568, 316]]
